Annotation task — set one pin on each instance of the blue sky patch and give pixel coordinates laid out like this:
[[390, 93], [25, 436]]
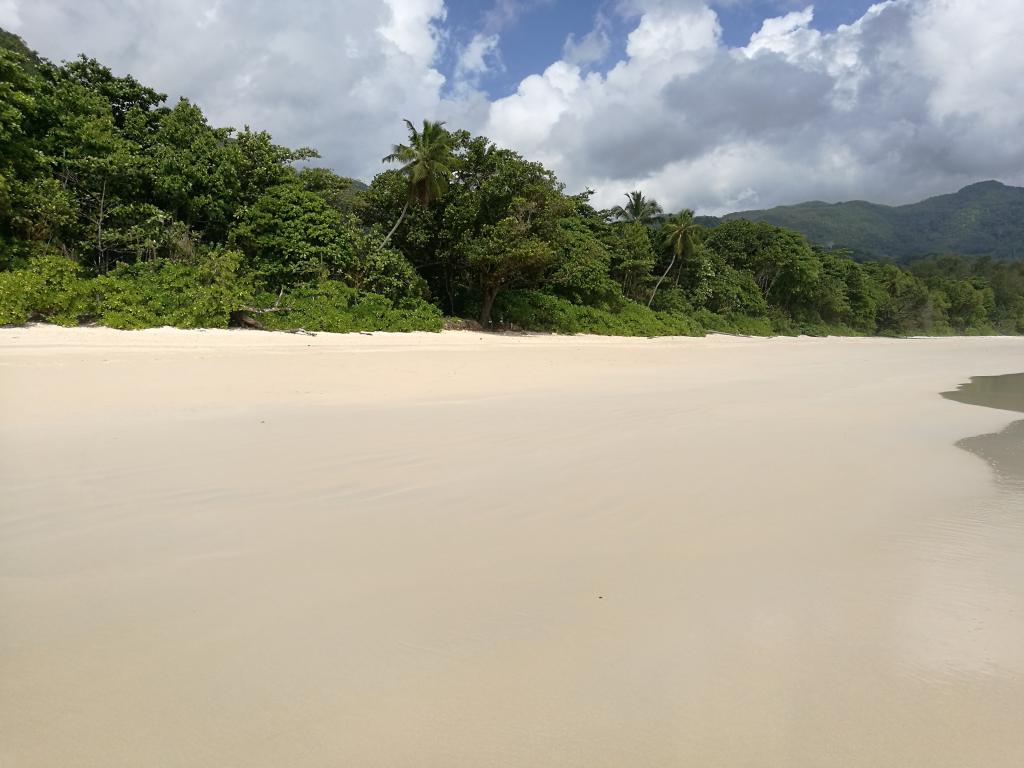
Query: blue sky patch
[[533, 32]]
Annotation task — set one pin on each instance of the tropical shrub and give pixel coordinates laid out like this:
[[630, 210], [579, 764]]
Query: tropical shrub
[[536, 311], [50, 289], [161, 292], [334, 307]]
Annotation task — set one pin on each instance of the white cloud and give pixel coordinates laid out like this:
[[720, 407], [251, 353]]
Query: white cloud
[[789, 35], [592, 48], [411, 27], [552, 115], [339, 76], [525, 120], [916, 97], [972, 53], [670, 33], [477, 57]]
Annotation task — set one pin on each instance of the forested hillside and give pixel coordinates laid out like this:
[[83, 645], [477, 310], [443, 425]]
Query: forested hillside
[[122, 208], [984, 219]]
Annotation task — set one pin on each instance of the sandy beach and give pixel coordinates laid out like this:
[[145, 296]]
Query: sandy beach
[[260, 550]]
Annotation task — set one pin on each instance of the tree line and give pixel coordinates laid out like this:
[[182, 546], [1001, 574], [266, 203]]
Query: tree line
[[120, 209]]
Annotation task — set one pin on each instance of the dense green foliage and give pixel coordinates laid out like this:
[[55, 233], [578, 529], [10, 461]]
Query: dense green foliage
[[544, 312], [118, 208], [981, 219], [334, 307]]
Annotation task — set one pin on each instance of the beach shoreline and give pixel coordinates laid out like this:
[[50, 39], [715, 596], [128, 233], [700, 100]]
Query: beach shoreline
[[238, 547]]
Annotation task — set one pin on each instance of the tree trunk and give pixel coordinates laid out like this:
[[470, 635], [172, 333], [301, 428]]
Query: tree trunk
[[101, 214], [490, 294], [449, 289], [658, 284], [686, 251], [405, 210]]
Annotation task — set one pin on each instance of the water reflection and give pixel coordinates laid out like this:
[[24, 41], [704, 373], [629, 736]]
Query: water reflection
[[1003, 392], [965, 618], [1004, 451]]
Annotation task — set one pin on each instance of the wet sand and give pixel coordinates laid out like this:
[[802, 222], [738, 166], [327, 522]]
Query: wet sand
[[244, 549]]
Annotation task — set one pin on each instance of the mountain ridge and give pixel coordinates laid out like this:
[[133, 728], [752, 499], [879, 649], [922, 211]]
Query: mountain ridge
[[985, 218]]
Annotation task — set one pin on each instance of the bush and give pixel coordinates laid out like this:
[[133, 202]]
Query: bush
[[333, 307], [50, 289], [673, 300], [777, 323], [536, 311], [742, 325], [828, 329], [16, 291], [157, 293]]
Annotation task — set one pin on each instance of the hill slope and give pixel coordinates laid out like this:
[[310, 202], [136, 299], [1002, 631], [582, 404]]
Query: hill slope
[[11, 42], [981, 219]]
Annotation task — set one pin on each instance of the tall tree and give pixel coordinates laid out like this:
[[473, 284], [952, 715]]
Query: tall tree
[[680, 237], [426, 163], [638, 208], [506, 255], [19, 158], [633, 258], [122, 93]]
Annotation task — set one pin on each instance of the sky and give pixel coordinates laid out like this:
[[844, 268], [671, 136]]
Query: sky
[[715, 105]]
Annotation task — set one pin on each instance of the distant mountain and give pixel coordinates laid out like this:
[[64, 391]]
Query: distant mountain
[[981, 219]]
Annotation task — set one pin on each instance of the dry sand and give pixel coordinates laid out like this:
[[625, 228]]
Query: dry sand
[[259, 550]]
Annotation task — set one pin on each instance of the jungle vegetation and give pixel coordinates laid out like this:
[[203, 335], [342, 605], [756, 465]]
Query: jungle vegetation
[[120, 208]]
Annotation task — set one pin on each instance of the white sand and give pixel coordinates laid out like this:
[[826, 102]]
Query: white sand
[[261, 550]]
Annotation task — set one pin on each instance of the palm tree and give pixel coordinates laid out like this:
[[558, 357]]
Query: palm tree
[[680, 237], [426, 163], [638, 208]]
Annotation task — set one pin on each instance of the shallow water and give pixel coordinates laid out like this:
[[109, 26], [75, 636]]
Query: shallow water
[[1004, 451], [1003, 392], [982, 547]]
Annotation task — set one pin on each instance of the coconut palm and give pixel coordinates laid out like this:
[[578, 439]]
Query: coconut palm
[[426, 163], [680, 234], [637, 208]]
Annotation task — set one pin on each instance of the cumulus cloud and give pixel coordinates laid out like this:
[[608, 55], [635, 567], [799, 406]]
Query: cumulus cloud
[[340, 75], [476, 58], [591, 48], [411, 27], [787, 35], [916, 97], [602, 122]]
